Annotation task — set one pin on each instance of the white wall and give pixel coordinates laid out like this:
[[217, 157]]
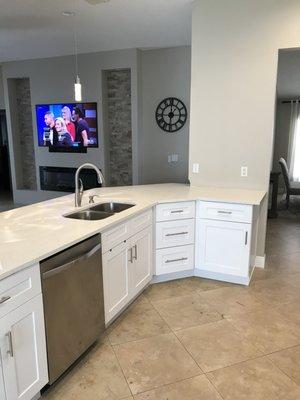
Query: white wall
[[2, 105], [164, 73], [234, 65]]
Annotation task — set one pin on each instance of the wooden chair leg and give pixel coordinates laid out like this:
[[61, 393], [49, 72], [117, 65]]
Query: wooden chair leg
[[287, 200]]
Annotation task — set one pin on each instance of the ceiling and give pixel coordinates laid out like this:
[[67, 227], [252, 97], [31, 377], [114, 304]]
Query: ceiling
[[37, 29]]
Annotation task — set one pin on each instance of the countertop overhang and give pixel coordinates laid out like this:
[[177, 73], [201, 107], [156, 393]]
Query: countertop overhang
[[32, 233]]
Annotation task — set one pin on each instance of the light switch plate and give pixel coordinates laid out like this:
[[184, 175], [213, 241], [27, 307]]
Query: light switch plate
[[244, 172], [196, 168]]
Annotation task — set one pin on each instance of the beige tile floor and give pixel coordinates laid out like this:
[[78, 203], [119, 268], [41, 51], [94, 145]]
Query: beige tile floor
[[199, 339]]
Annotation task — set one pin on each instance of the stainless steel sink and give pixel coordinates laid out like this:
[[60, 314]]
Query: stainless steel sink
[[89, 215], [111, 207]]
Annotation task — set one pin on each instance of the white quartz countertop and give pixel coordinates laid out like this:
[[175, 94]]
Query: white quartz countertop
[[32, 233]]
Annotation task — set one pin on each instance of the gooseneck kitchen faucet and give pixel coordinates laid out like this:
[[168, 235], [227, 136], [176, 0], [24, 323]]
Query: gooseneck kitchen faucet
[[79, 184]]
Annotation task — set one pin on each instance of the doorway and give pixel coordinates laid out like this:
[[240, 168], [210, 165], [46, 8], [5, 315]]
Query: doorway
[[6, 199], [283, 227]]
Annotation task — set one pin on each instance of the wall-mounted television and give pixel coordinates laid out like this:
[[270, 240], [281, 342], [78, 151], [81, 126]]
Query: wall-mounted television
[[67, 127]]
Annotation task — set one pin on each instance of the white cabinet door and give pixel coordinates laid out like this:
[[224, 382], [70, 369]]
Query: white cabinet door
[[223, 247], [2, 391], [141, 266], [116, 279], [23, 350]]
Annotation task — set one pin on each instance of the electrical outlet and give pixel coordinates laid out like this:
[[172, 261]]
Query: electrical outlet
[[196, 168], [244, 172]]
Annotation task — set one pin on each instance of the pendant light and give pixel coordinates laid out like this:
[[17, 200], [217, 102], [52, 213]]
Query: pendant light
[[77, 84]]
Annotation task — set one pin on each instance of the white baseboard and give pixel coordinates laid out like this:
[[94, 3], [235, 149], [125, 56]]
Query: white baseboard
[[242, 280], [260, 261], [172, 276]]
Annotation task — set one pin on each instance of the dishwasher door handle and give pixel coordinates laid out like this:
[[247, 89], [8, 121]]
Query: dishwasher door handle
[[63, 267]]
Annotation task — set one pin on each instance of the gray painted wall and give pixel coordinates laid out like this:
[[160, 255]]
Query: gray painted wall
[[165, 73], [155, 74], [281, 140], [52, 80], [2, 104]]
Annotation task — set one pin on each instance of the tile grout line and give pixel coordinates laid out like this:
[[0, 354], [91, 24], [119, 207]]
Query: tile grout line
[[276, 366], [123, 373]]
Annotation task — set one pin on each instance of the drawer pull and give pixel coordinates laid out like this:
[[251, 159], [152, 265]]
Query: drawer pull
[[135, 252], [224, 212], [246, 238], [176, 211], [4, 299], [131, 255], [177, 234], [10, 350], [176, 259]]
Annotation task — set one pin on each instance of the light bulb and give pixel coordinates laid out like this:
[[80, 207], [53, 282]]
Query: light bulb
[[77, 88]]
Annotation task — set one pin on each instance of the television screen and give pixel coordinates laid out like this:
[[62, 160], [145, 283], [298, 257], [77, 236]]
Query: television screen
[[67, 126]]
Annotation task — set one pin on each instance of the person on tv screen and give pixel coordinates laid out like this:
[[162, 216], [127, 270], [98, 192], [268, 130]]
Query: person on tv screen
[[82, 127], [67, 116], [50, 136], [64, 137]]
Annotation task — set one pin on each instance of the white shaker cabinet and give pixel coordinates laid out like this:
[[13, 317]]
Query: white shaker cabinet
[[141, 266], [127, 269], [116, 279], [223, 247], [127, 266], [23, 350], [224, 241], [2, 391]]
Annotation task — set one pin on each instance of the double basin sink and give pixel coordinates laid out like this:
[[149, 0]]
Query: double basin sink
[[99, 211]]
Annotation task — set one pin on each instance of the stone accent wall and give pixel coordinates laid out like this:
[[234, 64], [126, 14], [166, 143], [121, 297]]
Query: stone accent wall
[[119, 126], [24, 113]]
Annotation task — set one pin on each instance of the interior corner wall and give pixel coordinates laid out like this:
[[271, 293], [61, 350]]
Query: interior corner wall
[[233, 87], [164, 73], [2, 103]]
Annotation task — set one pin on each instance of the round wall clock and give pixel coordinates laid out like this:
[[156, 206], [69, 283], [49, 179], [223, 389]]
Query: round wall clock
[[171, 114]]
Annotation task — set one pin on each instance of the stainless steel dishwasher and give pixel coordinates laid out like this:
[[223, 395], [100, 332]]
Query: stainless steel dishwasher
[[73, 303]]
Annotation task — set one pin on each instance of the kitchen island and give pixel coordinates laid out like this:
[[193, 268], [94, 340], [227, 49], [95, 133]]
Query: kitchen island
[[31, 233], [170, 231]]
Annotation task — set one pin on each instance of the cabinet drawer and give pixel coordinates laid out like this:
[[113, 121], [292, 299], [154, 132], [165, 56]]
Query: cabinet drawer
[[114, 236], [224, 211], [175, 233], [19, 288], [174, 259], [174, 211], [125, 230], [140, 222]]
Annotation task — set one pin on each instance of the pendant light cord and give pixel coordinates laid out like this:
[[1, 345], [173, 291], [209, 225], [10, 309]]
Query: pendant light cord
[[75, 39]]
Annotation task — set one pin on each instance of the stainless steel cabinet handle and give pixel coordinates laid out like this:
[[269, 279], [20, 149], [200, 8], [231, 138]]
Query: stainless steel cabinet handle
[[246, 237], [4, 299], [10, 350], [224, 212], [176, 259], [131, 255], [177, 233], [176, 211], [135, 252]]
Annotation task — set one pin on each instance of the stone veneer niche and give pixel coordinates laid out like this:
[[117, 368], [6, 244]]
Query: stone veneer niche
[[118, 131], [22, 133]]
